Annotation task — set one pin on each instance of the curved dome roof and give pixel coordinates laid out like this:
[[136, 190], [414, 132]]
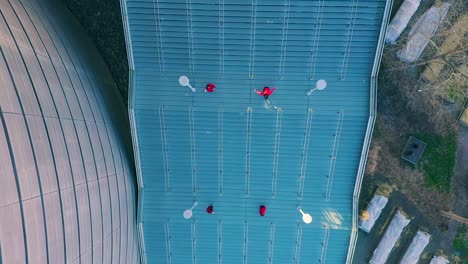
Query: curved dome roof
[[67, 186]]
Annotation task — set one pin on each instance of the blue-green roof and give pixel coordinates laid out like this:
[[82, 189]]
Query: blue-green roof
[[226, 149]]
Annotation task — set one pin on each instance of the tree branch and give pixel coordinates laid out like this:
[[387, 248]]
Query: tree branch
[[433, 59]]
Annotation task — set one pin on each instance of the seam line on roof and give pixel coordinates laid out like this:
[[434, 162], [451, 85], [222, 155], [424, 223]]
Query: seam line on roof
[[305, 151], [253, 27], [220, 242], [162, 122], [326, 237], [220, 151], [193, 149], [316, 40], [297, 255], [158, 33], [284, 37], [247, 150], [276, 151], [221, 38], [188, 4], [168, 241], [246, 242], [334, 154], [194, 241], [271, 249], [349, 39]]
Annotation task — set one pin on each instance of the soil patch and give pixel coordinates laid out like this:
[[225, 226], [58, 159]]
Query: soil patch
[[441, 235]]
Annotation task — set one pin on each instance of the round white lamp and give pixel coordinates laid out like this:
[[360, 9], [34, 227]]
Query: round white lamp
[[184, 81], [188, 213], [307, 218], [320, 85]]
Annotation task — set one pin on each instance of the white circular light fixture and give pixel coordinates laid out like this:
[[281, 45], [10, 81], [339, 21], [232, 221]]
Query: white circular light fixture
[[320, 85], [189, 213], [307, 218], [184, 81]]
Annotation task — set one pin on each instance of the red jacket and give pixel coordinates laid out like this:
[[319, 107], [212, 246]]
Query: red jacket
[[210, 87], [262, 210], [266, 91]]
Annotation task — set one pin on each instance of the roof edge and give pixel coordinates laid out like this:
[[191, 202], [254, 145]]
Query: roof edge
[[369, 130], [131, 115]]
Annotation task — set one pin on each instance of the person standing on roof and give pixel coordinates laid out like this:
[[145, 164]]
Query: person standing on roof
[[266, 92], [262, 210], [210, 88]]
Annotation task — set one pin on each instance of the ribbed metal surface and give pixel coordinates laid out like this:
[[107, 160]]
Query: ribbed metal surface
[[226, 149], [67, 186]]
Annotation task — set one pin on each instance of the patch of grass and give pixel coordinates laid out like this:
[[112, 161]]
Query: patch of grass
[[461, 240], [455, 93], [438, 160]]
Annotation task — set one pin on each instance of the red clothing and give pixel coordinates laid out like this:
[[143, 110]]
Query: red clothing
[[262, 210], [210, 87], [209, 209], [266, 91]]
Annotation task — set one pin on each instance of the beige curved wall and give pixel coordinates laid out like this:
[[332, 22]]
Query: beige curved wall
[[67, 184]]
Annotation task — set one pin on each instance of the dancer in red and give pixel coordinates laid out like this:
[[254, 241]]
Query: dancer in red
[[210, 88], [209, 209], [266, 92], [262, 210]]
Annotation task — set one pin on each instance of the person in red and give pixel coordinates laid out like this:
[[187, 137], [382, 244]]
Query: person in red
[[262, 210], [210, 88], [209, 209], [266, 92]]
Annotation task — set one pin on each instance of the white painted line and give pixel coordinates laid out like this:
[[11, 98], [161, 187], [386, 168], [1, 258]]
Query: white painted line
[[220, 151], [162, 123], [193, 149], [334, 155], [305, 152], [247, 150], [323, 256], [276, 151]]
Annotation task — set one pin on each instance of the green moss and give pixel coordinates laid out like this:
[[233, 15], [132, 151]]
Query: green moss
[[438, 160], [461, 240], [455, 93]]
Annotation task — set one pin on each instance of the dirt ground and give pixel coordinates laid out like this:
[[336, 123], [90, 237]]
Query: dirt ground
[[367, 242], [442, 233]]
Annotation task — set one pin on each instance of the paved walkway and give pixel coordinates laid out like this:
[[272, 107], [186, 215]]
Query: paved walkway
[[461, 174], [460, 187]]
